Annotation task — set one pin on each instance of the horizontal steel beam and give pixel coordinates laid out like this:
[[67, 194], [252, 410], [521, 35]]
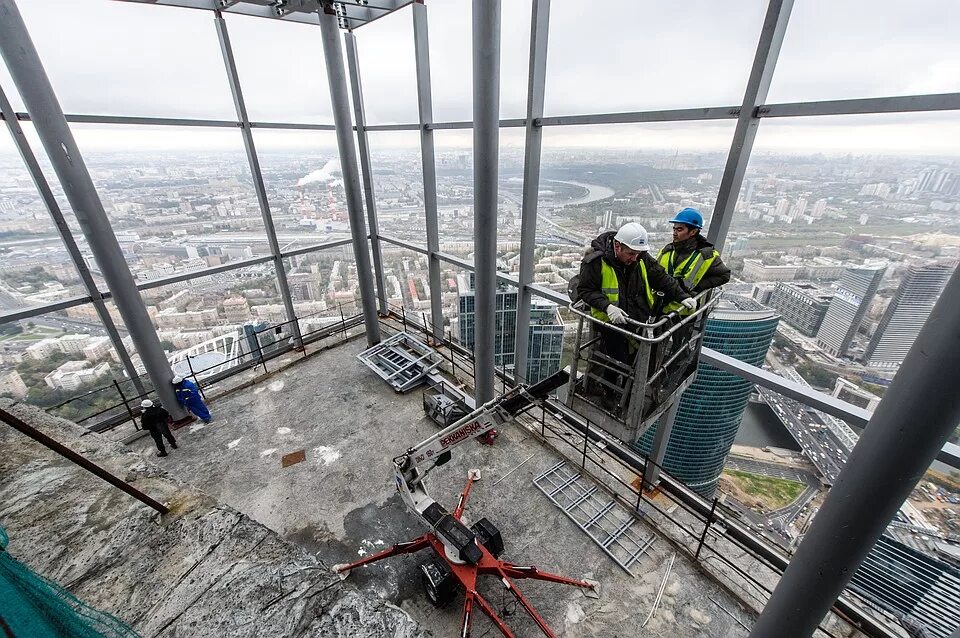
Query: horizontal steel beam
[[950, 454], [456, 261], [177, 121], [865, 106], [354, 13], [634, 117], [790, 389], [899, 104], [140, 121], [18, 314], [404, 244], [549, 294], [203, 272], [293, 126], [316, 248]]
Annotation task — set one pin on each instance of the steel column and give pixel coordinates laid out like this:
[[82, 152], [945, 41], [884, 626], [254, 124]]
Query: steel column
[[486, 150], [66, 235], [359, 115], [903, 437], [340, 101], [257, 175], [764, 62], [31, 80], [660, 442], [536, 83], [421, 45]]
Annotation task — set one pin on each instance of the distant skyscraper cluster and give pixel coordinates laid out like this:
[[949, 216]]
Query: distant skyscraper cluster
[[906, 314], [855, 291], [545, 342]]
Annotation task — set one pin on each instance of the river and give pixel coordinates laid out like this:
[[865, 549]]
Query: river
[[761, 428], [595, 192]]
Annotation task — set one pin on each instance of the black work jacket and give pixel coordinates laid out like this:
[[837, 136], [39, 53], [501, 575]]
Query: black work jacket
[[633, 297]]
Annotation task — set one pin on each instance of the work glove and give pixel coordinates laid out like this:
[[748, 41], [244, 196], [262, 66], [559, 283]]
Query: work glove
[[689, 303], [616, 315]]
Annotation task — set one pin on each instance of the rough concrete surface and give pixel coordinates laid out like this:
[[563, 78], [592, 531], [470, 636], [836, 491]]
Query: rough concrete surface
[[205, 569], [340, 504]]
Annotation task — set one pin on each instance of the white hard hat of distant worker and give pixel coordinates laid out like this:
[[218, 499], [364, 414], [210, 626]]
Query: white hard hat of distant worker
[[177, 379], [633, 236], [146, 403]]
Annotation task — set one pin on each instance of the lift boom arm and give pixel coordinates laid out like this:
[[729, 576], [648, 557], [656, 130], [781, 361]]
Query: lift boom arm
[[436, 449]]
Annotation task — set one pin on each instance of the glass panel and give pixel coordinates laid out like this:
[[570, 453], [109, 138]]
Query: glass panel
[[451, 58], [596, 178], [37, 270], [388, 69], [398, 184], [119, 58], [205, 324], [178, 199], [835, 50], [455, 193], [301, 172], [63, 361], [636, 55], [324, 288], [282, 70]]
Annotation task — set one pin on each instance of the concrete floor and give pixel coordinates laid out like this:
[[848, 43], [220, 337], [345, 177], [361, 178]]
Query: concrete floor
[[340, 503]]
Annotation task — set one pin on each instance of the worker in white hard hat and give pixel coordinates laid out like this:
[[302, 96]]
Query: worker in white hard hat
[[619, 279], [156, 420], [188, 395]]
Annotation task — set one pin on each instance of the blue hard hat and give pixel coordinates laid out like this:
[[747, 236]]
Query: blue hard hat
[[690, 217]]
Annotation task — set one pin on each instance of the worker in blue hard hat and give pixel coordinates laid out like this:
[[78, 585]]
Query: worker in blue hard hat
[[691, 259]]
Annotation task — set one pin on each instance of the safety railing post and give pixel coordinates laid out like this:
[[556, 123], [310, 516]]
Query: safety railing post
[[586, 438], [196, 380], [343, 320], [706, 528], [260, 350], [126, 404]]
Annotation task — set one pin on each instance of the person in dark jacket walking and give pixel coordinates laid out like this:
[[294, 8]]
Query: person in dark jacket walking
[[157, 421], [619, 279], [691, 259]]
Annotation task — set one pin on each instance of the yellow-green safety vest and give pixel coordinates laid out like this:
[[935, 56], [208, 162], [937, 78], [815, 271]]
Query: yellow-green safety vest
[[691, 270], [610, 286]]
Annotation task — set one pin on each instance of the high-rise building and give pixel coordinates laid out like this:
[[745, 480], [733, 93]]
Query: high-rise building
[[906, 314], [712, 407], [848, 307], [802, 304], [545, 343]]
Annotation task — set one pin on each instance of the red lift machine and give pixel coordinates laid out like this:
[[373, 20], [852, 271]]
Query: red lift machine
[[461, 554]]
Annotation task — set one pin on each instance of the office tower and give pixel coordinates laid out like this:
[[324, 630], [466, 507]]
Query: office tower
[[848, 306], [803, 305], [906, 314], [545, 343], [711, 408]]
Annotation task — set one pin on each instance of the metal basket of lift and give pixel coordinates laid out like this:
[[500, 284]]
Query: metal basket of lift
[[626, 398]]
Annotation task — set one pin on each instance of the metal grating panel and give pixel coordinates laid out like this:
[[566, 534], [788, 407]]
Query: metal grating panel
[[613, 528]]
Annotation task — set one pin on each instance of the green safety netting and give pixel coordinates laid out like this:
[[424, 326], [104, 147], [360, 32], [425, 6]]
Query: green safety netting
[[33, 607]]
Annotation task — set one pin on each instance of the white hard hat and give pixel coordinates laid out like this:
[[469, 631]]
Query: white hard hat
[[146, 403], [633, 236], [177, 379]]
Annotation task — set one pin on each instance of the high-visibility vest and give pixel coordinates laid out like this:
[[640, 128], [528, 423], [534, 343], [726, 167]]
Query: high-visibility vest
[[610, 285], [690, 271]]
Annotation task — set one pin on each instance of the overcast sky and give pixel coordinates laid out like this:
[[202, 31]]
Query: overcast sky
[[109, 57]]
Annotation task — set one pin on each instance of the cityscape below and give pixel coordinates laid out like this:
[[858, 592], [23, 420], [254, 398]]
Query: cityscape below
[[837, 261]]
